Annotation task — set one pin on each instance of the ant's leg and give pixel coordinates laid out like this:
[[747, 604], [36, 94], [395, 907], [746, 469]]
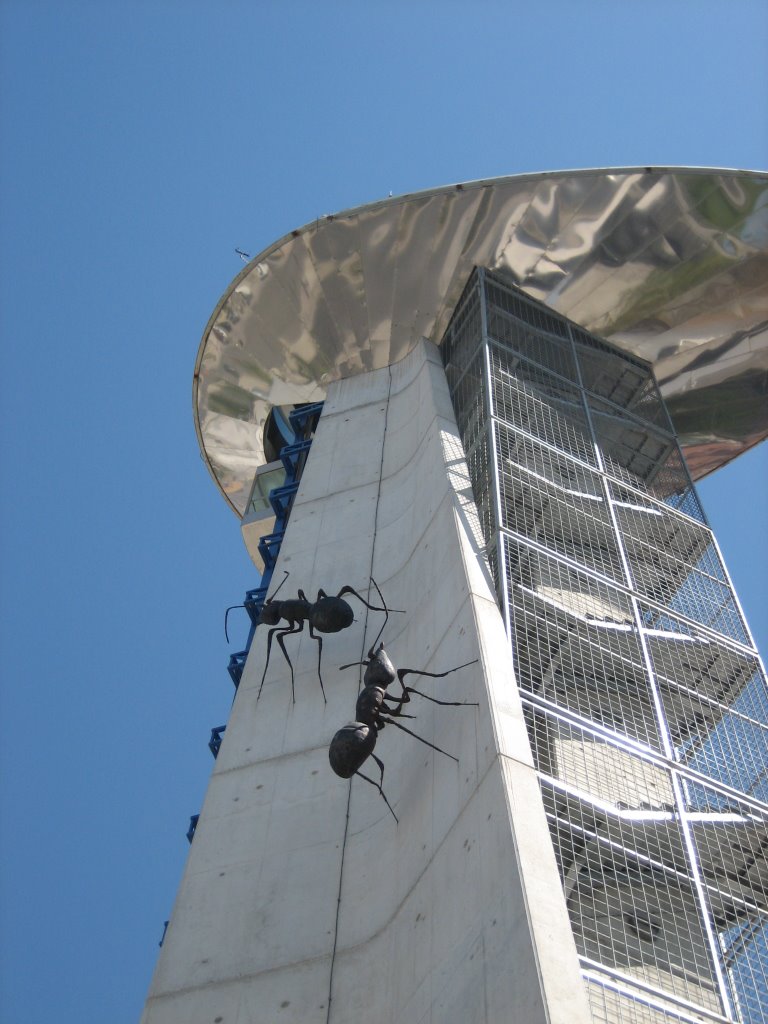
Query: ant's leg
[[316, 636], [402, 672], [396, 711], [270, 634], [380, 763], [373, 608], [435, 675], [378, 591], [398, 702], [299, 627], [445, 703], [391, 721], [380, 790], [366, 663]]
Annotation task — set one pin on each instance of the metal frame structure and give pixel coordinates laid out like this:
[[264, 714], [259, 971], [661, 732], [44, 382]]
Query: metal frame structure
[[646, 701]]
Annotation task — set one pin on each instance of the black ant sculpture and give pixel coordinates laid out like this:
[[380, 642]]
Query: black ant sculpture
[[328, 614], [354, 743]]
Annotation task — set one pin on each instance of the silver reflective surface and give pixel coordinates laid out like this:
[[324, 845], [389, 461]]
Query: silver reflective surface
[[670, 264]]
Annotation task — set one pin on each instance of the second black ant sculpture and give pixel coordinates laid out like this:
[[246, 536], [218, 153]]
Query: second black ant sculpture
[[328, 614], [354, 743]]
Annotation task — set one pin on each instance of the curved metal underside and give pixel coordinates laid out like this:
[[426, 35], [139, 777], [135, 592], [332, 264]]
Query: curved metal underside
[[669, 264]]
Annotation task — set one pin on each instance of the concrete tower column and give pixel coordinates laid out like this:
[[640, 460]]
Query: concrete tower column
[[303, 902]]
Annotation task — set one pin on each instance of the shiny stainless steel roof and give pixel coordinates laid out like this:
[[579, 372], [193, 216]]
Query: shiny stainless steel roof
[[668, 263]]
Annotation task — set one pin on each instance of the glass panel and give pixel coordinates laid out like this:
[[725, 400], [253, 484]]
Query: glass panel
[[267, 477]]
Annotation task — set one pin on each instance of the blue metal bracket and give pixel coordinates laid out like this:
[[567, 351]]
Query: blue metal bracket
[[236, 666], [290, 457], [305, 416], [192, 828], [254, 602], [303, 422], [214, 743], [269, 549], [280, 499]]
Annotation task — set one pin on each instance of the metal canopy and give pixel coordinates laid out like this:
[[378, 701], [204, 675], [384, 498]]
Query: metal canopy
[[670, 264]]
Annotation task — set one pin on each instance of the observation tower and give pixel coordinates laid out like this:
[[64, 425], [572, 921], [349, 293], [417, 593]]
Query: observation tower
[[492, 399]]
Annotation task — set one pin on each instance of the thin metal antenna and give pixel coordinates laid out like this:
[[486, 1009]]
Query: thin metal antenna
[[226, 616], [287, 574], [386, 614]]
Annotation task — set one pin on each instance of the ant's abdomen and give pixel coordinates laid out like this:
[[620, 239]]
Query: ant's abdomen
[[350, 747], [331, 615]]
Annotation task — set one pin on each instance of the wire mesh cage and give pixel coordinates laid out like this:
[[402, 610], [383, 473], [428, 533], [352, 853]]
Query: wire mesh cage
[[646, 705]]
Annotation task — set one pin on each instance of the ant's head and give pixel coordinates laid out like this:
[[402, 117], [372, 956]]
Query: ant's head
[[270, 614], [374, 653]]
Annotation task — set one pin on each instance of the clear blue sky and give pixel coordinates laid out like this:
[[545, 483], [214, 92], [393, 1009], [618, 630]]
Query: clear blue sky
[[141, 143]]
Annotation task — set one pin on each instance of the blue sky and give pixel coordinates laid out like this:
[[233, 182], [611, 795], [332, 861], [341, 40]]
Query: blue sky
[[141, 143]]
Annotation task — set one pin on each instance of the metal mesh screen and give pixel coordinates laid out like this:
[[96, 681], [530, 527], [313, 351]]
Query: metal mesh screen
[[572, 520], [540, 404], [646, 705], [464, 333], [612, 1003], [611, 375], [591, 667], [632, 902]]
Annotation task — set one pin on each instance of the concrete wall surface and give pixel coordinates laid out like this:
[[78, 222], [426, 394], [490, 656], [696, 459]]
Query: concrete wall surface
[[303, 901]]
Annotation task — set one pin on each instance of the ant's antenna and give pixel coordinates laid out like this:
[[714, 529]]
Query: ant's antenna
[[232, 607], [226, 616], [386, 617], [287, 574]]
